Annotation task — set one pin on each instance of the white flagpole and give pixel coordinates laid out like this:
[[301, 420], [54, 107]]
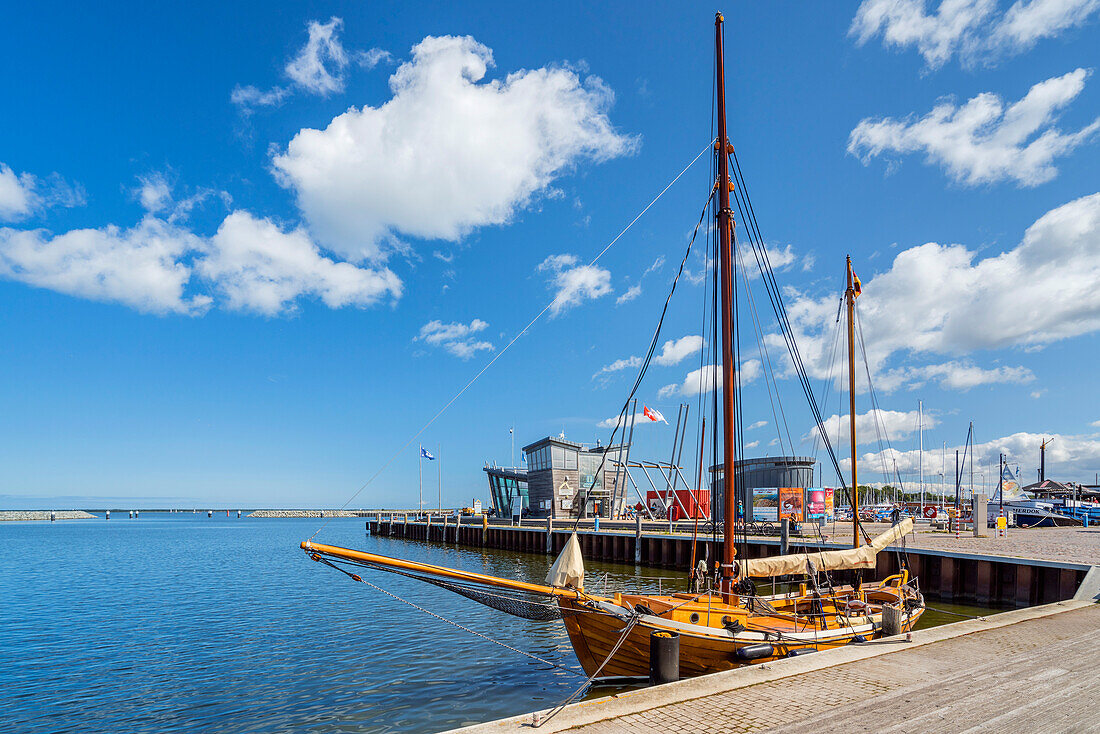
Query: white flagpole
[[420, 468], [439, 460]]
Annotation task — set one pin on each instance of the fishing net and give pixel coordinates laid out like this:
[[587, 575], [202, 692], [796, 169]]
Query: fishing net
[[526, 605]]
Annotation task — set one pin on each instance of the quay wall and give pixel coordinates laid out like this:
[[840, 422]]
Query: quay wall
[[949, 576]]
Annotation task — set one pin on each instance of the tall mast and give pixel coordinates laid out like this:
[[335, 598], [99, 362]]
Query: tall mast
[[920, 413], [725, 264], [850, 296]]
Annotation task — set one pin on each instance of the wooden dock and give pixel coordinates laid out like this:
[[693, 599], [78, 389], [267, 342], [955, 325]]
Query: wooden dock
[[1024, 670], [984, 579]]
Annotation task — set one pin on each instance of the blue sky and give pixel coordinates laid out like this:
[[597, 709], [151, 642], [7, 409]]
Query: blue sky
[[247, 252]]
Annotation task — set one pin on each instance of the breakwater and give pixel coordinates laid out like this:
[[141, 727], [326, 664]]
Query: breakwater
[[335, 513], [26, 515], [949, 576]]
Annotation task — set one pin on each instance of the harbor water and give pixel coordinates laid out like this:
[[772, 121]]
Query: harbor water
[[180, 622]]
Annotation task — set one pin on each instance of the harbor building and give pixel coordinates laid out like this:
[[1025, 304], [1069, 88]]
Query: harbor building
[[565, 478], [770, 471], [505, 484]]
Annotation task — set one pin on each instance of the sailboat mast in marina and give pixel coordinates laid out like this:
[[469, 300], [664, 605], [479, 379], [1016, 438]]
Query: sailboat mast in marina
[[726, 621]]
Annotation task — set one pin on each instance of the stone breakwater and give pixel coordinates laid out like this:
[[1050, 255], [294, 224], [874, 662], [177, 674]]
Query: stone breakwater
[[307, 513], [24, 515]]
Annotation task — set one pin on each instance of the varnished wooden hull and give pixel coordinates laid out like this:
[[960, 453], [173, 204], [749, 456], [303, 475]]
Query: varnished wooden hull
[[594, 633]]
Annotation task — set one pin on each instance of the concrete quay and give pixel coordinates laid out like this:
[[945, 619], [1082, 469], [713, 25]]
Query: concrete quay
[[1025, 670]]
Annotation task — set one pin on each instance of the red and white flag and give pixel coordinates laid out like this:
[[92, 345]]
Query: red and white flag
[[653, 414]]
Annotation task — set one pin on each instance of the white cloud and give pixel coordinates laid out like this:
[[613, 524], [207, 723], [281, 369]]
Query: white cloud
[[317, 68], [247, 97], [896, 425], [373, 57], [943, 300], [139, 267], [658, 263], [574, 284], [629, 295], [972, 29], [639, 420], [319, 65], [493, 146], [16, 194], [260, 268], [675, 351], [23, 194], [456, 337], [1069, 458], [702, 380], [618, 365], [954, 375], [982, 142], [757, 424]]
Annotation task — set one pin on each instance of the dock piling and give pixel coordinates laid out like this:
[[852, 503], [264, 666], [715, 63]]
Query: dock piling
[[549, 535], [637, 539]]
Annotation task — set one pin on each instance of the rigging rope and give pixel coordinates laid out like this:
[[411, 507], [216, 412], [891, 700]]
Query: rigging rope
[[500, 354], [621, 421], [356, 577]]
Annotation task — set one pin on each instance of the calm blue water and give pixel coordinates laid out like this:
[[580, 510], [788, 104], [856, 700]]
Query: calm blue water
[[183, 623]]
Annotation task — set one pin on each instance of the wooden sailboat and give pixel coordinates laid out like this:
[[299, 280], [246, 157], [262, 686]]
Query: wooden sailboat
[[718, 629]]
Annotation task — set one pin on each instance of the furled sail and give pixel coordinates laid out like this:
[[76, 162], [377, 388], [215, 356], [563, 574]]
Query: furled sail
[[568, 569], [834, 560]]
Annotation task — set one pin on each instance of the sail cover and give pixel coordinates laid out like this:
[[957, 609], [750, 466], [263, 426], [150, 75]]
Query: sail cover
[[568, 569], [834, 560]]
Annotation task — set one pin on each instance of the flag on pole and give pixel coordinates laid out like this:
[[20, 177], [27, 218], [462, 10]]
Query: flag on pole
[[857, 287], [424, 454], [653, 414]]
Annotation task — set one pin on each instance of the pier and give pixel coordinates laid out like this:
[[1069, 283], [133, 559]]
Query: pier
[[1025, 670], [965, 577]]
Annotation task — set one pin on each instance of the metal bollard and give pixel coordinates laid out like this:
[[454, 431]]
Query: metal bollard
[[549, 534], [784, 536], [664, 657]]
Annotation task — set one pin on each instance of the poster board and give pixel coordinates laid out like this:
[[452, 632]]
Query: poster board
[[765, 504], [830, 499], [791, 503], [815, 503]]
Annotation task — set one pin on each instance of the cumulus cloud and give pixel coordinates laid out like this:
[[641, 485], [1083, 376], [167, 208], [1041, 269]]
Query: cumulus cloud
[[16, 194], [1069, 458], [455, 337], [975, 30], [479, 151], [260, 268], [675, 351], [24, 194], [757, 424], [250, 263], [982, 141], [954, 375], [140, 267], [629, 363], [895, 424], [373, 57], [573, 283], [945, 300], [703, 380]]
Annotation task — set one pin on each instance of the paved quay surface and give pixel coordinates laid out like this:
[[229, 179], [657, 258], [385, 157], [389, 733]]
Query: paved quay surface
[[1028, 670], [1062, 545]]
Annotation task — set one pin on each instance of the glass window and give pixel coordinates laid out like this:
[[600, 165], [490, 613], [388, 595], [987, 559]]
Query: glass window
[[559, 457], [570, 459]]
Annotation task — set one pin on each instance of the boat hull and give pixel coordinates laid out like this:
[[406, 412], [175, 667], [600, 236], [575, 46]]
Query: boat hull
[[595, 630]]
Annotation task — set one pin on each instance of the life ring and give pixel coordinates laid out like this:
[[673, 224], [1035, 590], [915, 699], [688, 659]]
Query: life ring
[[930, 512]]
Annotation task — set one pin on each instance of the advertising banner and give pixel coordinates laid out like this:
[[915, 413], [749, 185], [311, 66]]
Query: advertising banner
[[765, 504], [815, 503], [790, 503], [829, 500]]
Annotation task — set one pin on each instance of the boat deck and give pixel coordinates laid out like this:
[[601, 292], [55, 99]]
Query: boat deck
[[1026, 670]]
